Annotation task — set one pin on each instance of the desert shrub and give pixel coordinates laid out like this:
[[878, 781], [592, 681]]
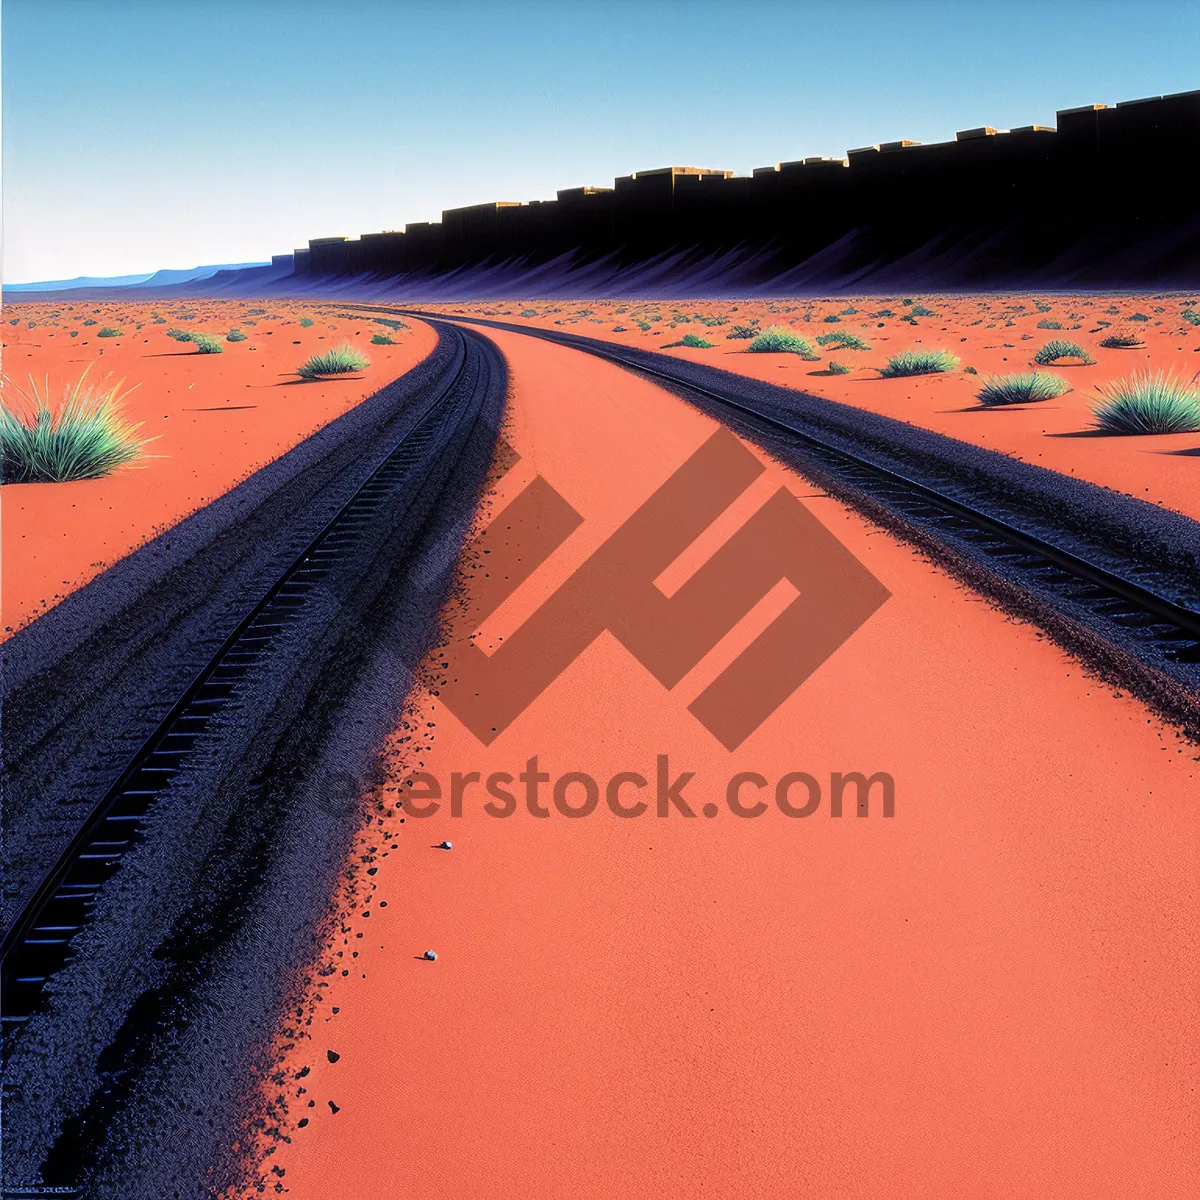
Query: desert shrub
[[250, 312], [529, 312], [74, 332], [206, 344], [849, 312], [88, 321], [777, 339], [1023, 388], [85, 438], [644, 326], [919, 362], [843, 339], [180, 335], [108, 331], [883, 312], [919, 310], [394, 325], [341, 360], [831, 319], [1191, 316], [306, 322], [693, 340], [1059, 349], [619, 329], [1139, 317], [1049, 324], [1040, 307], [1121, 341], [837, 368], [1149, 402], [235, 335], [382, 339], [743, 332]]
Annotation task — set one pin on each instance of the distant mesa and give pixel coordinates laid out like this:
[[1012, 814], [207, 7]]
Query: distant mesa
[[1104, 198]]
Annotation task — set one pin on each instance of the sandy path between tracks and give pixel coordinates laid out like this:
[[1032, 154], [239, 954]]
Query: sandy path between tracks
[[995, 334], [214, 418], [992, 993]]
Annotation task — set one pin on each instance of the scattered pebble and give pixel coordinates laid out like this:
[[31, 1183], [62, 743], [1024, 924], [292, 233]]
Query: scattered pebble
[[430, 955], [332, 1055], [446, 846]]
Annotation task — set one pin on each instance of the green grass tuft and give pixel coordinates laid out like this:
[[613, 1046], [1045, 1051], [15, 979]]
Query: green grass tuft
[[778, 339], [85, 438], [306, 322], [837, 368], [1060, 348], [693, 340], [1023, 388], [919, 362], [382, 339], [1149, 402], [846, 341], [235, 335], [180, 335], [109, 331], [341, 360], [1049, 324], [1121, 341], [205, 344]]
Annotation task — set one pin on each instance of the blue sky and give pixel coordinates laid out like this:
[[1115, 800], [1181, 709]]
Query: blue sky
[[165, 133]]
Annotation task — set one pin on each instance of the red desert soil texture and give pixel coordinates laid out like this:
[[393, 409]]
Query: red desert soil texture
[[992, 993], [994, 334], [214, 418]]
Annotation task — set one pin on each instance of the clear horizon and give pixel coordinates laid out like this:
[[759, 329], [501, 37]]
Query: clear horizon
[[140, 136]]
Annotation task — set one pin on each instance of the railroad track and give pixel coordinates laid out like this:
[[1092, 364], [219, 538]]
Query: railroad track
[[403, 489], [1146, 609]]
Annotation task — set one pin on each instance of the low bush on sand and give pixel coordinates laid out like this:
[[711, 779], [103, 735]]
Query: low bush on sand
[[1191, 316], [831, 319], [84, 438], [1122, 340], [207, 345], [743, 332], [1059, 349], [693, 340], [843, 340], [235, 335], [1049, 324], [837, 368], [919, 310], [341, 360], [529, 312], [108, 331], [180, 335], [777, 339], [306, 322], [1149, 402], [381, 339], [1023, 388], [919, 362]]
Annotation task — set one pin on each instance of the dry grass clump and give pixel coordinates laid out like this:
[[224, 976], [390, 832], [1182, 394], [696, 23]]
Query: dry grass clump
[[920, 362], [1149, 402], [778, 339], [341, 360], [1023, 388], [86, 437]]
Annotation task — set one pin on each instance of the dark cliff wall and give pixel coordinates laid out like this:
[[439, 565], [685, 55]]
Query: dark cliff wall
[[1109, 190]]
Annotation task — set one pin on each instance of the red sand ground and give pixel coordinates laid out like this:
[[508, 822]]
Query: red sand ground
[[991, 994], [1052, 433], [215, 418]]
